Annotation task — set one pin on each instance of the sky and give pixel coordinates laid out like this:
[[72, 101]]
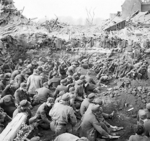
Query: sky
[[68, 9]]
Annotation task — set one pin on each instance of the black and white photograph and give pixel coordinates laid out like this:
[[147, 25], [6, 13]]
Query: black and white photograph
[[74, 70]]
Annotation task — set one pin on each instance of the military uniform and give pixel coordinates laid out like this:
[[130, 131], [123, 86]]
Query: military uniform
[[24, 107], [79, 90], [84, 106], [63, 117], [14, 74], [42, 95], [147, 121], [34, 82], [86, 102], [91, 128], [20, 95], [4, 120], [54, 82], [60, 88], [138, 138], [42, 116], [2, 86], [19, 79], [9, 89], [69, 137], [8, 104]]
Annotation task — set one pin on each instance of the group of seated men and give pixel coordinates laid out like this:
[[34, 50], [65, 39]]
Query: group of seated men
[[66, 98]]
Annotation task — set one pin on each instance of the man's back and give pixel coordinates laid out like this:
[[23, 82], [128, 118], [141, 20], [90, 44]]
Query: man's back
[[40, 110], [138, 138], [34, 82], [61, 113], [14, 74], [84, 106], [43, 93], [147, 127], [66, 137]]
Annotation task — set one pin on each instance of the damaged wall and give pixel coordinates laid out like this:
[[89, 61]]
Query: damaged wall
[[145, 7], [130, 7]]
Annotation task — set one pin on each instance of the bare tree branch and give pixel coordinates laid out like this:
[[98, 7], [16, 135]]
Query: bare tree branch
[[90, 15]]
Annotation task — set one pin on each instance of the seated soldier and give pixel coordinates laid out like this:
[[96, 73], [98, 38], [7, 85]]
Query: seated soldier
[[72, 97], [21, 94], [139, 136], [4, 120], [147, 121], [41, 116], [61, 87], [90, 87], [69, 137], [62, 115], [90, 126], [24, 107], [79, 92], [54, 81], [59, 96], [42, 95], [9, 89], [85, 104], [141, 117], [8, 104]]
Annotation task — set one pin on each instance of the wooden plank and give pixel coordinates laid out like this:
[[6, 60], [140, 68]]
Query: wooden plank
[[13, 127]]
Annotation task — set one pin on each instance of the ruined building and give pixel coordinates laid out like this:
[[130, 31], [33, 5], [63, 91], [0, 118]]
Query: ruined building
[[129, 7]]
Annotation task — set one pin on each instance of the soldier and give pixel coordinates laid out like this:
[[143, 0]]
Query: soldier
[[40, 62], [32, 66], [69, 80], [59, 96], [62, 115], [75, 77], [72, 97], [3, 82], [4, 120], [79, 91], [71, 70], [88, 76], [8, 104], [24, 107], [9, 89], [147, 122], [86, 102], [90, 126], [61, 87], [42, 95], [62, 70], [69, 137], [34, 82], [54, 81], [141, 117], [139, 136], [53, 72], [20, 78], [15, 73], [41, 116], [21, 94]]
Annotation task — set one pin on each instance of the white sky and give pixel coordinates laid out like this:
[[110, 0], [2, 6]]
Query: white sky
[[68, 8]]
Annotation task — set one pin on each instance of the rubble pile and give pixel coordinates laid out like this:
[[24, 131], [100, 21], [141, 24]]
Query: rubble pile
[[53, 25], [19, 34]]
